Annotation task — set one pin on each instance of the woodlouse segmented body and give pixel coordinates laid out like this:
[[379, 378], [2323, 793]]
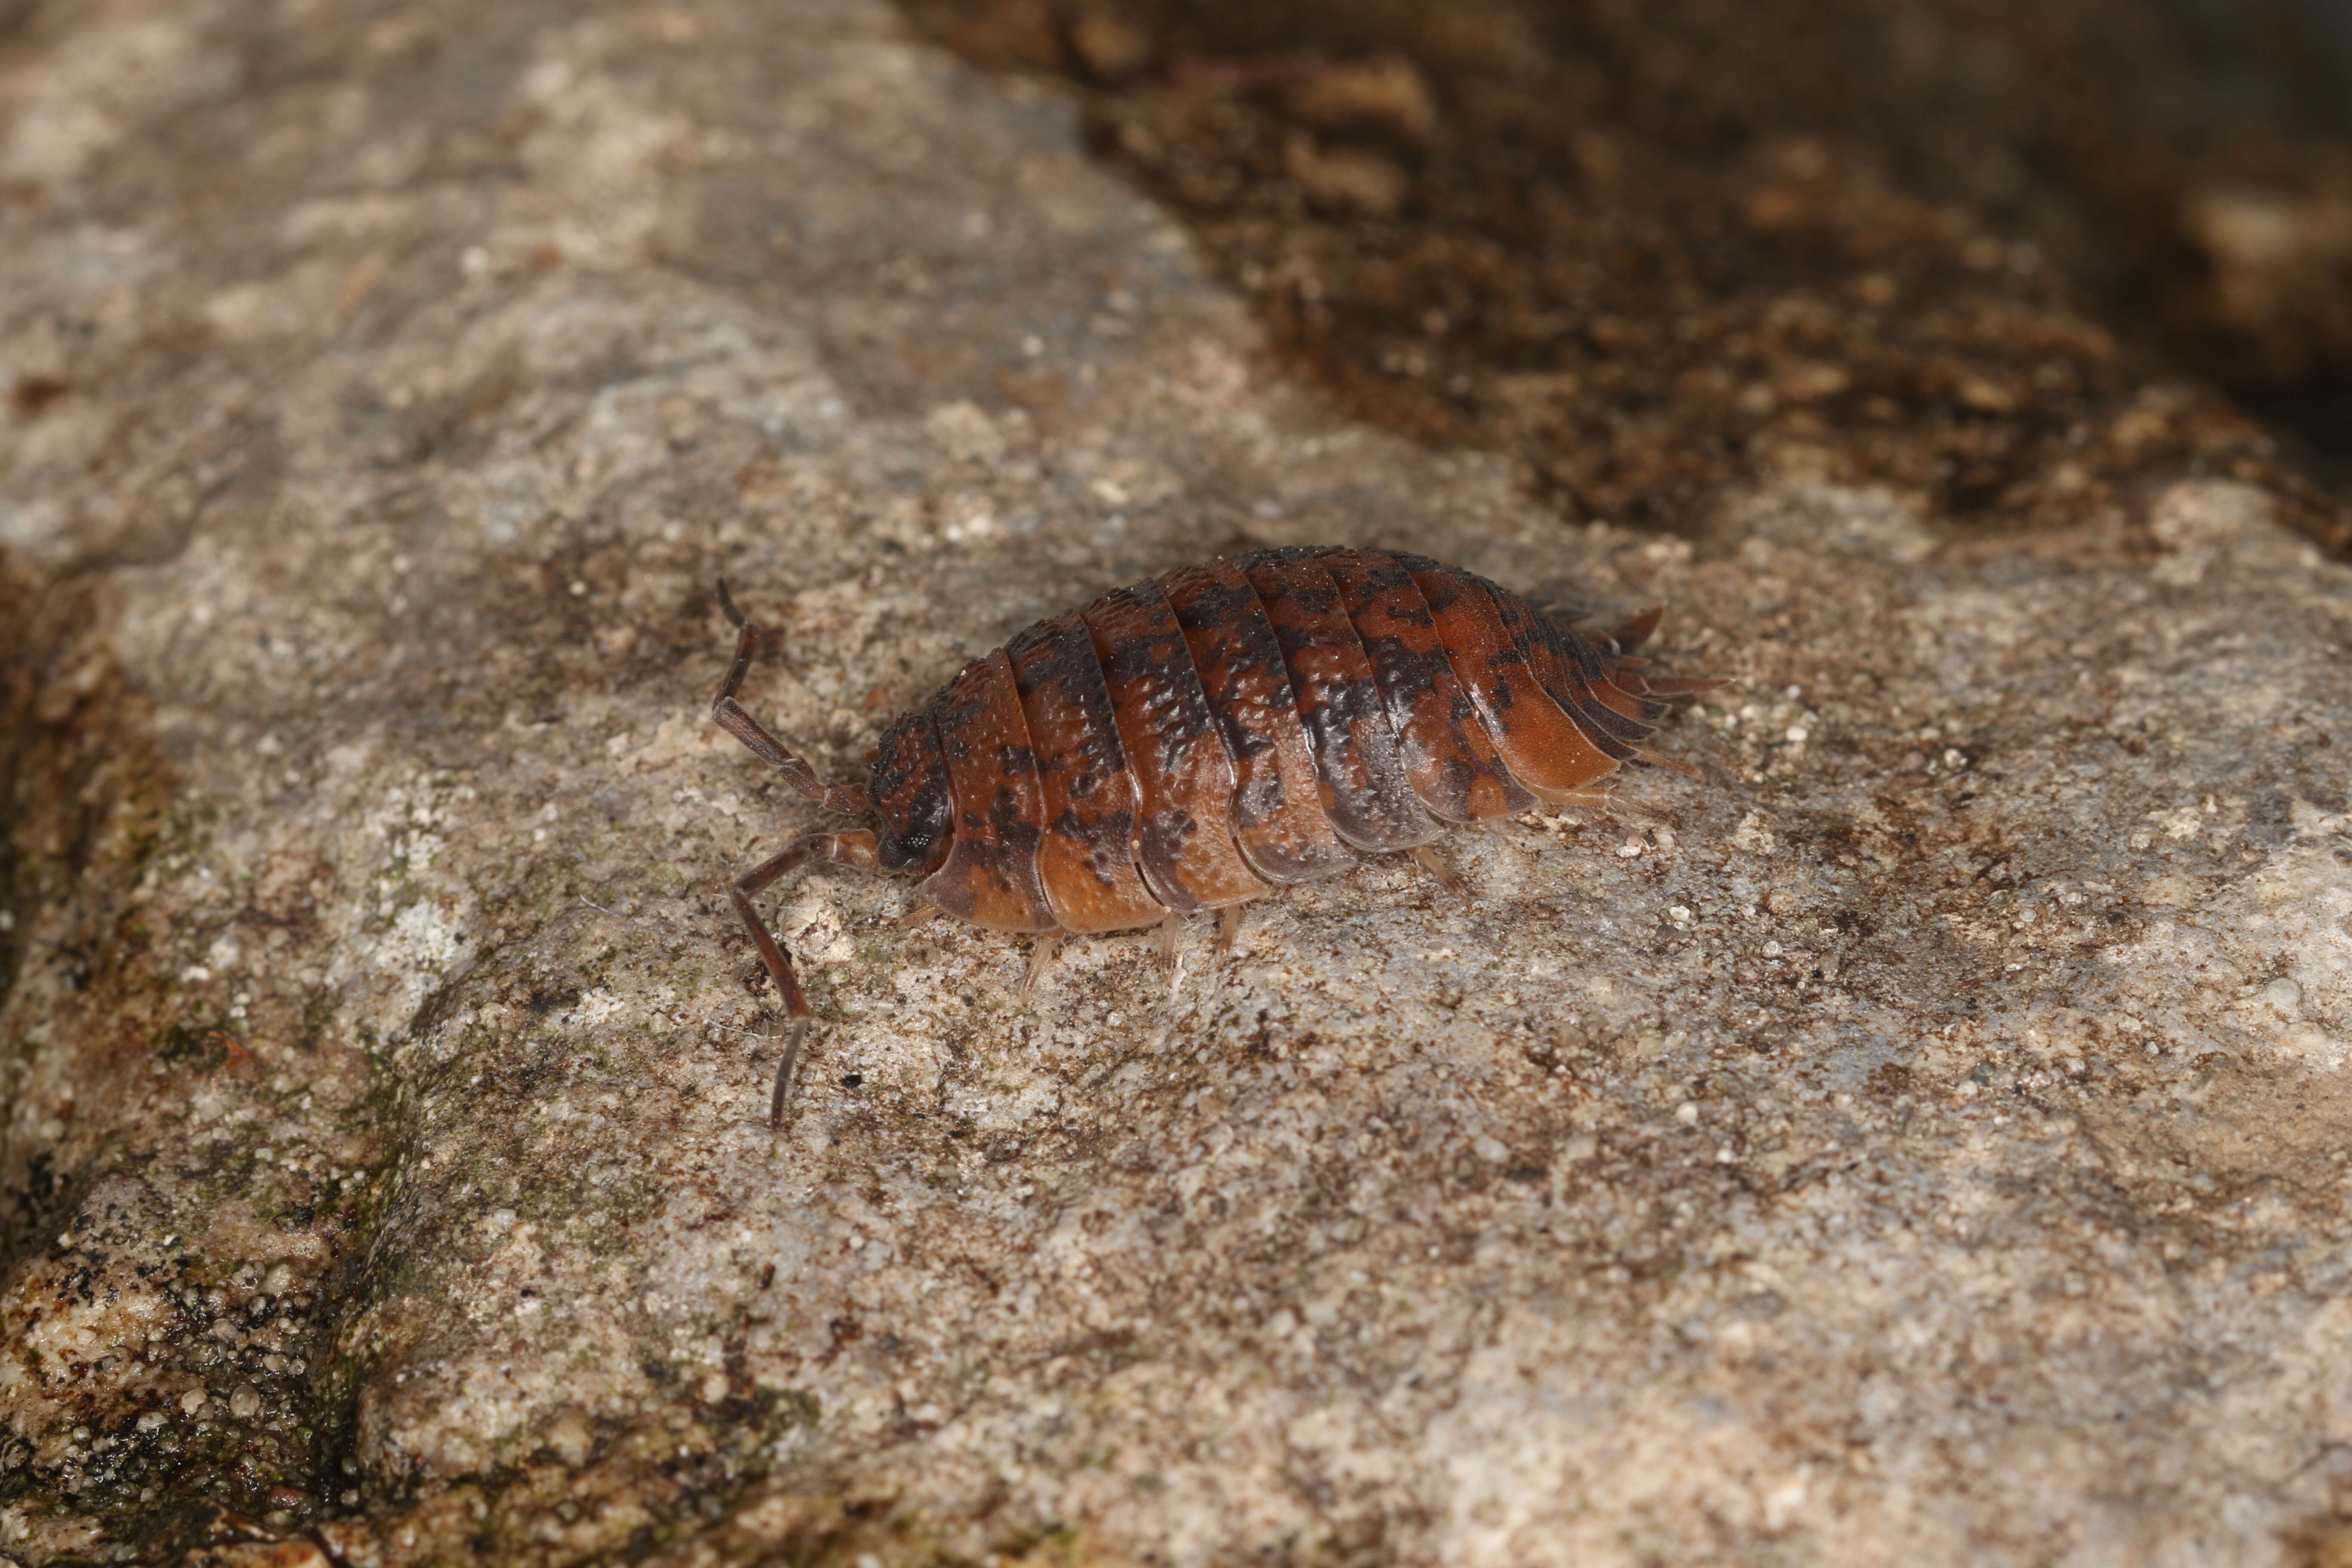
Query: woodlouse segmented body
[[1198, 740]]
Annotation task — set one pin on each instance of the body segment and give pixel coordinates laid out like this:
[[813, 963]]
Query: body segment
[[1365, 790], [1086, 858], [1277, 814], [1545, 748], [990, 877], [1184, 845], [1445, 749]]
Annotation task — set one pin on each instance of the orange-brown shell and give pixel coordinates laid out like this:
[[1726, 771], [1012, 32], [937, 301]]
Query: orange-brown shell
[[1191, 741]]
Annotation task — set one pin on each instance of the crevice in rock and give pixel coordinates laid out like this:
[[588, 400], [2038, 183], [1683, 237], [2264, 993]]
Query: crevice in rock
[[1978, 254], [168, 1298]]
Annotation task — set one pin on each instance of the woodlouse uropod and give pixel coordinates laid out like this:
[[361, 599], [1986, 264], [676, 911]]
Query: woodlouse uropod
[[1209, 735]]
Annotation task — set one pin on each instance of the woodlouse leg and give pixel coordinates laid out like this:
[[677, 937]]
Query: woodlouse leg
[[848, 849], [918, 915], [1041, 960], [748, 730], [1447, 876], [1228, 927], [1171, 927]]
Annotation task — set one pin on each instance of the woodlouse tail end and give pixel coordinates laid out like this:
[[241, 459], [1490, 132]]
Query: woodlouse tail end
[[1636, 632], [1672, 765], [1611, 804], [1680, 685], [1660, 689]]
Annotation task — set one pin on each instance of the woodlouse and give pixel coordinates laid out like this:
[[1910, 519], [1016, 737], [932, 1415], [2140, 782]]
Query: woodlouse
[[1213, 733]]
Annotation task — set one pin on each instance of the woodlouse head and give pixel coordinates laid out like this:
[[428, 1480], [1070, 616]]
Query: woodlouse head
[[908, 793]]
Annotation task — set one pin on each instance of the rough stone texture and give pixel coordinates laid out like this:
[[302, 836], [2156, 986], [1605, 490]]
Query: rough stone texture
[[1922, 1143]]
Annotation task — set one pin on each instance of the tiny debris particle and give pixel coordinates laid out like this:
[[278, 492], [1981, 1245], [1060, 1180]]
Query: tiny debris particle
[[2283, 995], [1386, 94], [1687, 1113], [1630, 849], [193, 1401], [32, 393], [1110, 47], [1797, 734], [245, 1404]]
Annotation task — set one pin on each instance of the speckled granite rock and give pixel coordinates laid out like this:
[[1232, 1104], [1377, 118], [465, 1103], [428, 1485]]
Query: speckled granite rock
[[1922, 1142]]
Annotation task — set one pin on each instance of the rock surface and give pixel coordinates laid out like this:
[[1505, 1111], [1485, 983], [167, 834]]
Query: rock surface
[[1923, 1141]]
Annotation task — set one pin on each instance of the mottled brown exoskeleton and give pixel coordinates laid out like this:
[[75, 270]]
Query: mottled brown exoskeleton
[[1195, 740]]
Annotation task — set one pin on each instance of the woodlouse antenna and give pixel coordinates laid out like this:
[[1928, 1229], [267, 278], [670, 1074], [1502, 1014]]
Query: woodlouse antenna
[[855, 849], [732, 717]]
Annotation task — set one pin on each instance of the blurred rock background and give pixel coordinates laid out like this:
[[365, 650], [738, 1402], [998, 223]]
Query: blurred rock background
[[1922, 1140], [1645, 247]]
